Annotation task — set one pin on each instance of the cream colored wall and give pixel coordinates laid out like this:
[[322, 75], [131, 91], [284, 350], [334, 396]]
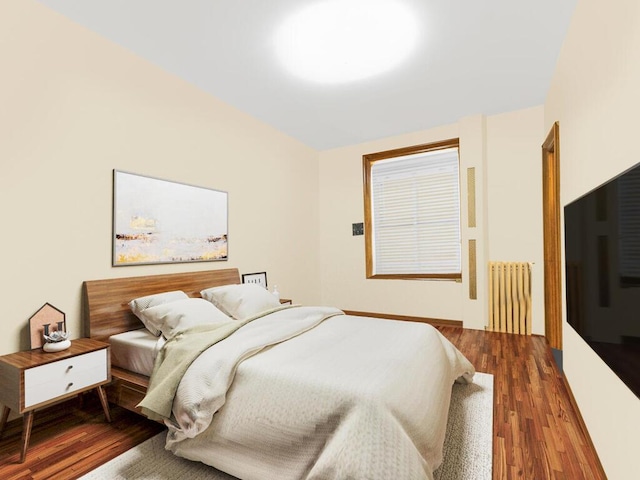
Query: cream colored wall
[[73, 108], [514, 196], [594, 95], [500, 147]]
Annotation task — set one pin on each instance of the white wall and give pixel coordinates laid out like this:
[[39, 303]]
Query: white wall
[[594, 95], [506, 152], [73, 107]]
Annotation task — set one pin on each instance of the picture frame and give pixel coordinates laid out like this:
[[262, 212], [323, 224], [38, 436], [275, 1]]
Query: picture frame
[[47, 315], [259, 278], [160, 221]]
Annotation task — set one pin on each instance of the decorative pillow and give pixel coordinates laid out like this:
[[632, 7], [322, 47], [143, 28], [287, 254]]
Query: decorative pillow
[[171, 318], [241, 301], [139, 305]]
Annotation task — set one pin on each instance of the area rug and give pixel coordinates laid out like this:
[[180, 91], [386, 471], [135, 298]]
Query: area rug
[[467, 447]]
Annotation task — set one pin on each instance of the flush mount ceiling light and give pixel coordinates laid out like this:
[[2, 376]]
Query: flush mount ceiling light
[[340, 41]]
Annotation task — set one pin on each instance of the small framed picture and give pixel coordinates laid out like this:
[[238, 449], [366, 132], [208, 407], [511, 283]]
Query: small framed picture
[[259, 278]]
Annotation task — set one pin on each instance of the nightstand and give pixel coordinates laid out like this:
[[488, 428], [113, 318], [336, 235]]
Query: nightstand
[[34, 379], [286, 301]]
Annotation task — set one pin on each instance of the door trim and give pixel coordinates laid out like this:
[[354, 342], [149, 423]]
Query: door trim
[[551, 238]]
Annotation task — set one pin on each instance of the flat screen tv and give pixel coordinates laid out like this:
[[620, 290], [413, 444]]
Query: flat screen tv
[[602, 261]]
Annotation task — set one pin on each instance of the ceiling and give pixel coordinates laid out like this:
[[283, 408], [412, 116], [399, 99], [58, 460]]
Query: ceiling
[[473, 57]]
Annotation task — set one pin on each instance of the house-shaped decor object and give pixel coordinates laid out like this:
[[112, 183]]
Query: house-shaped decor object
[[49, 316]]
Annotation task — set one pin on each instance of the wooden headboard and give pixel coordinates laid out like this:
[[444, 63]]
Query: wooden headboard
[[105, 303]]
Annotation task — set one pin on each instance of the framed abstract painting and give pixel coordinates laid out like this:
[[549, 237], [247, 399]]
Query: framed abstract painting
[[160, 221]]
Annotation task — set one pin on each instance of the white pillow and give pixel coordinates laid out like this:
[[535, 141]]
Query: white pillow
[[174, 317], [139, 305], [241, 301]]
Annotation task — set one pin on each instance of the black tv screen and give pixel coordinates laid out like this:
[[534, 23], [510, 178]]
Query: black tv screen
[[602, 261]]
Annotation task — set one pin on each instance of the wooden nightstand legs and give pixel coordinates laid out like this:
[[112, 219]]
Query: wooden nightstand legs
[[27, 423], [3, 420], [104, 402]]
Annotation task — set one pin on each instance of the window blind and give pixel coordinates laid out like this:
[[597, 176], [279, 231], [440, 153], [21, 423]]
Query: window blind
[[416, 214]]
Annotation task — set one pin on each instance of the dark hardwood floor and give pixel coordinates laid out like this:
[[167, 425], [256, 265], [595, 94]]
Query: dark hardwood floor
[[70, 439], [537, 432]]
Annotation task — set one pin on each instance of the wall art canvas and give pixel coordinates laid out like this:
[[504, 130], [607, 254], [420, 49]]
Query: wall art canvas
[[160, 221]]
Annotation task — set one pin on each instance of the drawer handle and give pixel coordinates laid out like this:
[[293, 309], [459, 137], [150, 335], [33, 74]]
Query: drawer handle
[[70, 385], [69, 367]]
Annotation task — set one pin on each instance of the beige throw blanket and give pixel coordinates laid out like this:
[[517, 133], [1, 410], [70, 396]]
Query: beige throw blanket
[[179, 352]]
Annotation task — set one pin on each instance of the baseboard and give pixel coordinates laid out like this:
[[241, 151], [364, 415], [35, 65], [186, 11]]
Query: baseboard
[[407, 318], [557, 356]]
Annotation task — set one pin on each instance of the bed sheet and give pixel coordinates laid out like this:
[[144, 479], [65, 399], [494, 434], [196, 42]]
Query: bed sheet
[[135, 350]]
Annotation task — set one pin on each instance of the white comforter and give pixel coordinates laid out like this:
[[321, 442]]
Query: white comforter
[[349, 398]]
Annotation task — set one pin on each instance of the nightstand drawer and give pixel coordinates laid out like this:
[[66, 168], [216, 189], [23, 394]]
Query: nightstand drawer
[[46, 382]]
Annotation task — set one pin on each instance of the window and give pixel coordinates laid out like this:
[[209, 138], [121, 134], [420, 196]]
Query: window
[[412, 212]]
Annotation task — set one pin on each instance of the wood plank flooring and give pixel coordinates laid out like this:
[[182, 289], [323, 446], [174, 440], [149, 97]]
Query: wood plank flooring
[[537, 433], [70, 439]]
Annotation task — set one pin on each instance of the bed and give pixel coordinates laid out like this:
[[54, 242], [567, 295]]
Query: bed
[[296, 392]]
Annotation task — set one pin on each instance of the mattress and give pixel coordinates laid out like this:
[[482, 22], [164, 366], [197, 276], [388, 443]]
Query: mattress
[[135, 350]]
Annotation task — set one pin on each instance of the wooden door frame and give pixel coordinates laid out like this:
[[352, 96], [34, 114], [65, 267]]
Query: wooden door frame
[[551, 238]]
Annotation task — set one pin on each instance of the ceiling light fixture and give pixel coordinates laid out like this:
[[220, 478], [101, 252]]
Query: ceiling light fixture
[[340, 41]]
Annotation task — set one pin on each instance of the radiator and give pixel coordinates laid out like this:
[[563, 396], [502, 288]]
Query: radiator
[[510, 297]]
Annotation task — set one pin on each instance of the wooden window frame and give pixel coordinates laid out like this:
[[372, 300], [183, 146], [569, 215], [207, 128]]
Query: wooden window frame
[[367, 162]]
